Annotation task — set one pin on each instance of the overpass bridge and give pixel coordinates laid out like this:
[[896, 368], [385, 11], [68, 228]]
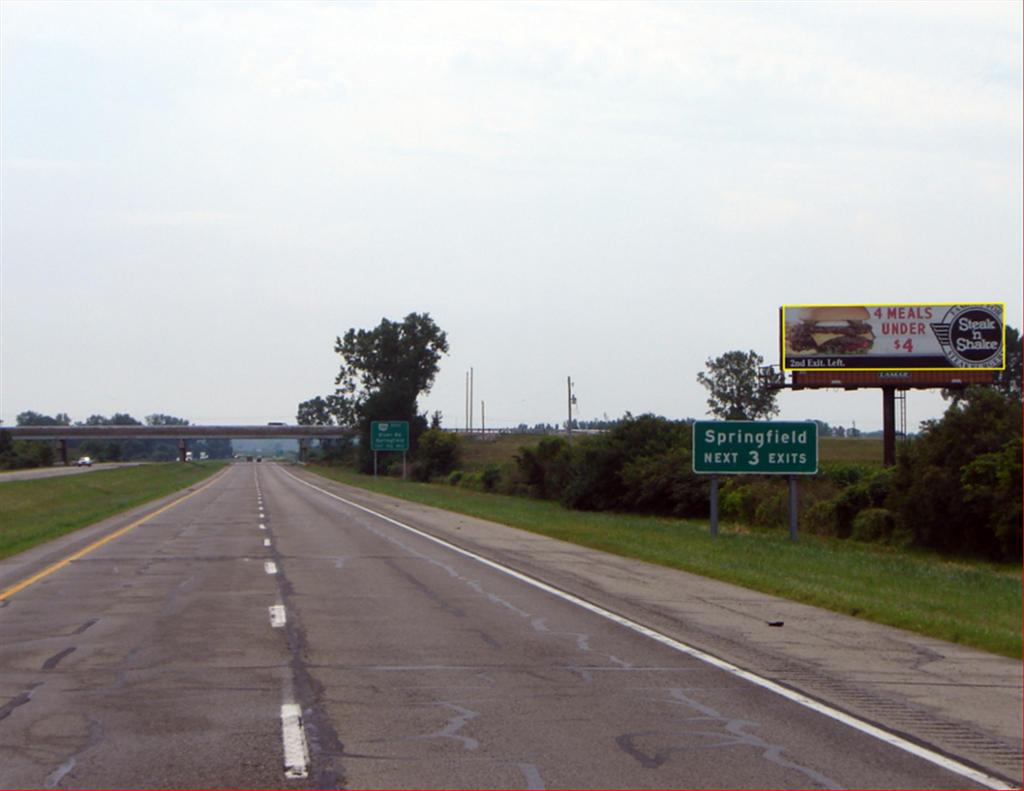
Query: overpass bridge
[[61, 434]]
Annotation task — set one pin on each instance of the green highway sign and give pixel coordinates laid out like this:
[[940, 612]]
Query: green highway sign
[[748, 447], [392, 435]]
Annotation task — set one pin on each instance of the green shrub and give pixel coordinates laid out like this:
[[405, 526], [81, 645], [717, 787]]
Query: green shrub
[[455, 477], [741, 497], [773, 510], [957, 486], [665, 484], [437, 454], [472, 480], [820, 518], [544, 470], [737, 504], [489, 477], [844, 474], [873, 524], [419, 472], [23, 454]]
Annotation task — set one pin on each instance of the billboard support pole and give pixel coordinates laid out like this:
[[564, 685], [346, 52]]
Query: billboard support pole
[[375, 464], [888, 426], [714, 505], [792, 508]]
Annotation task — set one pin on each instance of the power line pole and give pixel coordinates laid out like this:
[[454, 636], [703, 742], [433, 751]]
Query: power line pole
[[483, 421], [568, 425], [466, 424], [471, 399]]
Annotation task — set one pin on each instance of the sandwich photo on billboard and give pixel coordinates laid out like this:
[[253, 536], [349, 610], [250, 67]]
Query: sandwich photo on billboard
[[834, 329]]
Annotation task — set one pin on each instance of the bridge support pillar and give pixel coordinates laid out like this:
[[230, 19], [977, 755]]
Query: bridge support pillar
[[303, 450], [182, 448], [62, 451]]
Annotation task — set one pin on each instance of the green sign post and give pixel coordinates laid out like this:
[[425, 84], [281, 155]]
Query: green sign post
[[747, 447], [389, 436]]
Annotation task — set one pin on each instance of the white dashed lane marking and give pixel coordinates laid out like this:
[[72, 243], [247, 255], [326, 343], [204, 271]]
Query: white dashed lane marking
[[277, 616], [293, 735]]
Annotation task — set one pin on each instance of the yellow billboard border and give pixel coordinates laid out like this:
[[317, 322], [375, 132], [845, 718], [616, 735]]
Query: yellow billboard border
[[782, 349]]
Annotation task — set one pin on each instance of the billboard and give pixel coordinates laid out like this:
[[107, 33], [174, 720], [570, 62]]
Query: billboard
[[925, 337]]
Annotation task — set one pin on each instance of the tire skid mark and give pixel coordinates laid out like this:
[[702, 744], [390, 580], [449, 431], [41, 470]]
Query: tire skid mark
[[54, 660], [86, 625], [18, 700]]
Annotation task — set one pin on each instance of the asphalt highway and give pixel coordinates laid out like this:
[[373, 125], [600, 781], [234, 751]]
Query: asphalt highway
[[263, 633]]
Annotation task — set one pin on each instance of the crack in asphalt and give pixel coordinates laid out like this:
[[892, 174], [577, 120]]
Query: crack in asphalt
[[325, 746]]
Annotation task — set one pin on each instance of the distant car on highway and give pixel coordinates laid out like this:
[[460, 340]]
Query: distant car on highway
[[85, 461]]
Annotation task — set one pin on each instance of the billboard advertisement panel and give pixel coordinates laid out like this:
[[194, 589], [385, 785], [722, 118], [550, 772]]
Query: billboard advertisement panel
[[930, 337]]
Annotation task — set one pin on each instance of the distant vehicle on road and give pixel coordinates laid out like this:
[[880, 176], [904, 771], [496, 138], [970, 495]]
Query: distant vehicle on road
[[84, 461]]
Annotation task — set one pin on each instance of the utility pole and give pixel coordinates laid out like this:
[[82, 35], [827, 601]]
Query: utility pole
[[568, 425], [483, 421], [467, 402], [471, 399]]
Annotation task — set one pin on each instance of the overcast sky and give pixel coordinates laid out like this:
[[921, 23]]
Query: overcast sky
[[198, 197]]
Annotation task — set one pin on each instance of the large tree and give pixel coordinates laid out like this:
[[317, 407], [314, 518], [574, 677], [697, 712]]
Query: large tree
[[736, 391], [383, 372], [321, 411]]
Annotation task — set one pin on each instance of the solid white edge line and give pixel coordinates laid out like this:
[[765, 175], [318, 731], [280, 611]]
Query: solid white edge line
[[796, 697], [278, 616], [293, 737]]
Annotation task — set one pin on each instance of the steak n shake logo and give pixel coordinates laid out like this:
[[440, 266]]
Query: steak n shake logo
[[971, 335]]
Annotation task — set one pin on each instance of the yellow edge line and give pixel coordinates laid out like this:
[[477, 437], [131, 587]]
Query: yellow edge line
[[20, 586]]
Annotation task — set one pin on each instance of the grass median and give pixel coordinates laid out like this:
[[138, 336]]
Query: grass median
[[963, 601], [35, 511]]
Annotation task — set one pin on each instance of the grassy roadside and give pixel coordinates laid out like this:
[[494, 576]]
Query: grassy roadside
[[969, 602], [35, 511]]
